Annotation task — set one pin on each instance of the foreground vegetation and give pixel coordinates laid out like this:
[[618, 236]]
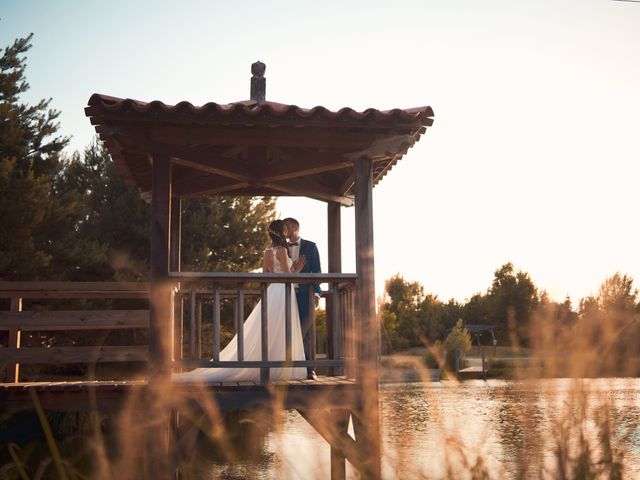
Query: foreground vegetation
[[72, 218]]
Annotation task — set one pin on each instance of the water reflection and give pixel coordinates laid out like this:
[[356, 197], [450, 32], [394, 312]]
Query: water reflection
[[507, 429]]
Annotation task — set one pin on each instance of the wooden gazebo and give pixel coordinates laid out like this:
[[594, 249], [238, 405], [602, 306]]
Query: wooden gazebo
[[262, 148]]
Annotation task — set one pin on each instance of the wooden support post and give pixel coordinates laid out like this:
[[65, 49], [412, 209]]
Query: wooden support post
[[160, 294], [335, 237], [12, 374], [332, 425], [160, 311], [334, 244], [338, 463], [367, 330]]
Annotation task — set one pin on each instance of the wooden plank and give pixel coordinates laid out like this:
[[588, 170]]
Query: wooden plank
[[74, 320], [19, 286], [73, 290], [259, 363], [60, 355], [82, 295], [241, 277]]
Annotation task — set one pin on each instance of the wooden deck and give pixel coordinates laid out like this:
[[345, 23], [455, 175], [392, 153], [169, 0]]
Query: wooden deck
[[110, 396]]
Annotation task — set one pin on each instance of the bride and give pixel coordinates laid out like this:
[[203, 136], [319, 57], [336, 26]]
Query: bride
[[275, 260]]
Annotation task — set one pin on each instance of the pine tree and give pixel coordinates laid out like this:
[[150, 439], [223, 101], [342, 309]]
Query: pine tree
[[218, 234], [30, 160]]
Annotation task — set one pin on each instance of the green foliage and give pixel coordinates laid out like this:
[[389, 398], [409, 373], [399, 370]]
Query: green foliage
[[511, 300], [32, 215], [114, 219], [409, 318], [224, 234], [458, 339], [400, 314], [611, 319]]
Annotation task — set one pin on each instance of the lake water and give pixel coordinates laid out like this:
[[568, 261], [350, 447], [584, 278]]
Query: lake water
[[441, 430]]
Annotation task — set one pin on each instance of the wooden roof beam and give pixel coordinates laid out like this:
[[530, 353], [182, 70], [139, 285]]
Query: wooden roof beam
[[346, 201], [309, 171], [210, 169], [230, 189]]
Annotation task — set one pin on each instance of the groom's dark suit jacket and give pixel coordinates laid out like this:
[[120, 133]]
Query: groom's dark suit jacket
[[312, 265]]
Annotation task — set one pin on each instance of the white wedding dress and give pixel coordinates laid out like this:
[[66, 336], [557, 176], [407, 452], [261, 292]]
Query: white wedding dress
[[252, 341]]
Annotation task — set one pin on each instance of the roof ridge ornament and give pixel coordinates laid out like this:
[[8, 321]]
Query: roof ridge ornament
[[258, 82]]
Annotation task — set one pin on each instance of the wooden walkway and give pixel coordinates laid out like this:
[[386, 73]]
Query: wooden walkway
[[110, 396]]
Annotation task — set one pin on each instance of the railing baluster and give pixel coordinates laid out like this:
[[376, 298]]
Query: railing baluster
[[178, 326], [199, 332], [351, 373], [216, 323], [312, 319], [240, 322], [287, 320], [264, 322], [337, 326], [192, 324], [12, 374]]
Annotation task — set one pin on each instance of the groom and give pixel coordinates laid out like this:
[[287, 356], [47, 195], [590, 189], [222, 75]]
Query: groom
[[299, 247]]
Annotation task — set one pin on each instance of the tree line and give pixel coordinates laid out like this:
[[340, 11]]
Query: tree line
[[514, 306], [72, 217]]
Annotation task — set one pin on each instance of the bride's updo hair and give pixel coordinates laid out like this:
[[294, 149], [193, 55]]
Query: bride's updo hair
[[276, 232]]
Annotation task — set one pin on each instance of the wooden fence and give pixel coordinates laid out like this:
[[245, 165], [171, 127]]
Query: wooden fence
[[17, 321]]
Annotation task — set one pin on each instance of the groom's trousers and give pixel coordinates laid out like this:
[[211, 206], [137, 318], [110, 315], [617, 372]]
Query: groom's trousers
[[302, 296]]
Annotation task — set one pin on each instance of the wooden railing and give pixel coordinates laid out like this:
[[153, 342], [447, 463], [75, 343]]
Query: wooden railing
[[18, 321], [193, 290]]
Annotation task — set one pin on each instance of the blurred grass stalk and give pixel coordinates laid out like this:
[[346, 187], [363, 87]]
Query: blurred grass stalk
[[587, 441]]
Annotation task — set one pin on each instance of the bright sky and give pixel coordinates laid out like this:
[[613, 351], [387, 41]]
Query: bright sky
[[533, 157]]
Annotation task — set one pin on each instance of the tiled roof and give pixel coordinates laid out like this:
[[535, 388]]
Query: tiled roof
[[310, 148], [250, 109]]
